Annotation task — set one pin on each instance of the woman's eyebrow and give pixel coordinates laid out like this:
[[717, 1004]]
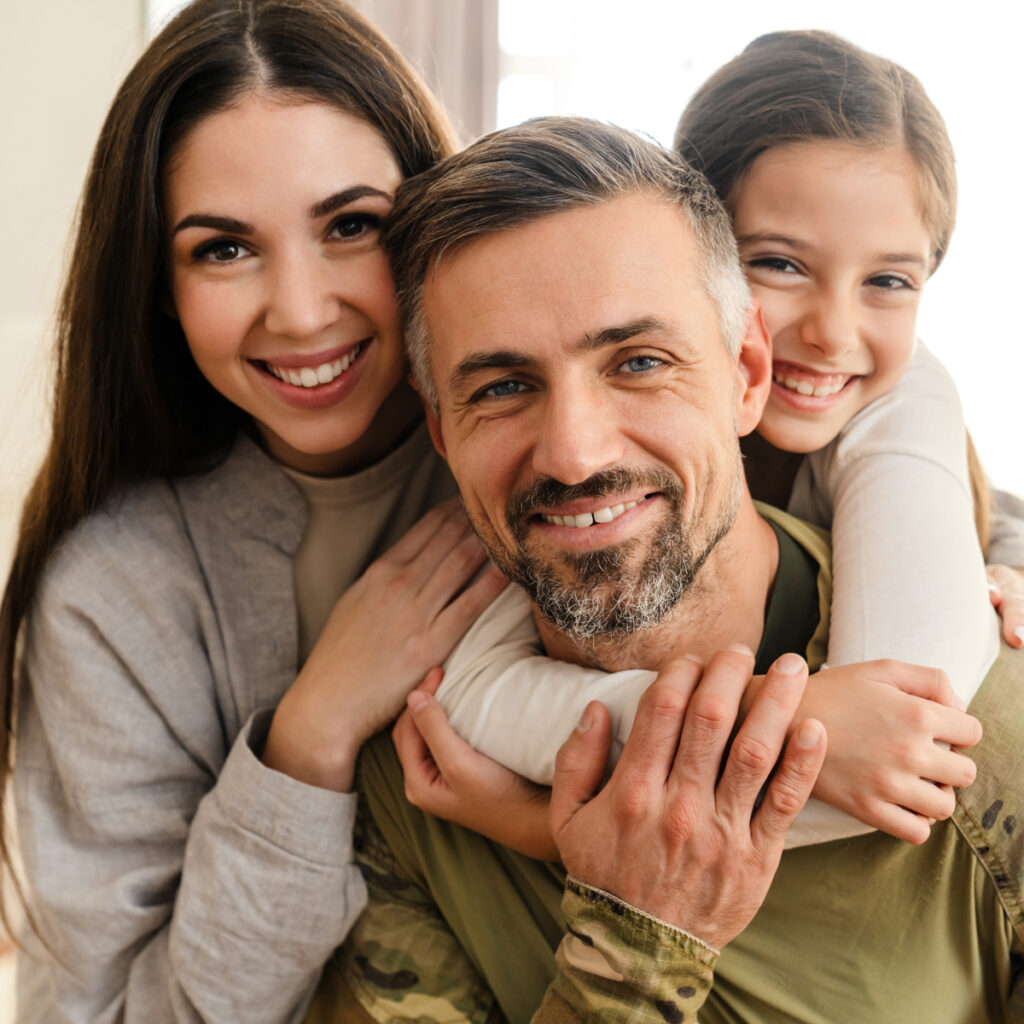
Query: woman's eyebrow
[[343, 198], [216, 223]]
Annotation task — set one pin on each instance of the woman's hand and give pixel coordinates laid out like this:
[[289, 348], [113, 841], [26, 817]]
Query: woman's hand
[[885, 765], [1006, 588], [400, 618], [445, 776]]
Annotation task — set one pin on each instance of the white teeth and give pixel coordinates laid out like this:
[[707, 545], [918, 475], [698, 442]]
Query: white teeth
[[314, 376], [805, 387], [584, 519]]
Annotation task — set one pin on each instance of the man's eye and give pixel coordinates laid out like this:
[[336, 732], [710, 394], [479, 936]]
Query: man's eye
[[500, 389], [220, 250], [355, 225], [640, 364]]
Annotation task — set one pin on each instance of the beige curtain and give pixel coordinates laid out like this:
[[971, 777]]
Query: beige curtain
[[454, 45]]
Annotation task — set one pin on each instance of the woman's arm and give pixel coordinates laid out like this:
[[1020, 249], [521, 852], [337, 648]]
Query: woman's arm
[[174, 873]]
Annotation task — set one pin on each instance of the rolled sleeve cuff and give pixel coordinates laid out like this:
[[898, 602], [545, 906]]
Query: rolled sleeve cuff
[[618, 963], [310, 823]]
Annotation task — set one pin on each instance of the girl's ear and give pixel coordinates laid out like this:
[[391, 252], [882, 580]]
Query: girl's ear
[[754, 380]]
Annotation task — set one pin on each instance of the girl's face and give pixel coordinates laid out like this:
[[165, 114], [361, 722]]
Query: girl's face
[[277, 276], [835, 248]]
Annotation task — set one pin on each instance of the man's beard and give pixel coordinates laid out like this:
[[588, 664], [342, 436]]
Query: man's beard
[[591, 594]]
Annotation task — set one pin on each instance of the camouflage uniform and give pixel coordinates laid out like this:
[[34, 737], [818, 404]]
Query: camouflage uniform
[[460, 929]]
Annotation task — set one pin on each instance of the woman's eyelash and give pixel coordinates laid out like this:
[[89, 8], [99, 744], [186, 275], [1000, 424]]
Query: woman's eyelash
[[361, 223], [207, 249]]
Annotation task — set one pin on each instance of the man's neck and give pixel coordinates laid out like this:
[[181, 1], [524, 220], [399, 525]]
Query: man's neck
[[724, 605]]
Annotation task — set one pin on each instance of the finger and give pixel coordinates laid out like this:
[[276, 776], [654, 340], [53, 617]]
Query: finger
[[580, 765], [949, 768], [446, 562], [920, 681], [897, 821], [426, 529], [710, 718], [461, 613], [432, 681], [928, 800], [653, 741], [418, 767], [1012, 611], [760, 740], [791, 785], [956, 728]]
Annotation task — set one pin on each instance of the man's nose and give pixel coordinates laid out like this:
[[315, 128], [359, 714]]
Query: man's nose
[[578, 436], [830, 323], [302, 296]]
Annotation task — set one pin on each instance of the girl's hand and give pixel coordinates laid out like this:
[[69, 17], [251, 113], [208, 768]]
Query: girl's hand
[[885, 766], [1006, 588], [403, 615], [445, 776]]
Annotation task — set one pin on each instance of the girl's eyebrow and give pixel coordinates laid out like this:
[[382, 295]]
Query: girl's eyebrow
[[913, 258], [231, 226]]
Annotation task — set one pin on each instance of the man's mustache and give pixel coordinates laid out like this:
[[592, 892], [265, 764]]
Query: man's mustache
[[549, 493]]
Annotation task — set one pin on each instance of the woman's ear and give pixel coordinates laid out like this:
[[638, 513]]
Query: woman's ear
[[754, 380]]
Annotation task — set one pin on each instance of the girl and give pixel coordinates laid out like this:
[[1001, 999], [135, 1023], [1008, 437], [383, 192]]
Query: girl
[[839, 176], [200, 571]]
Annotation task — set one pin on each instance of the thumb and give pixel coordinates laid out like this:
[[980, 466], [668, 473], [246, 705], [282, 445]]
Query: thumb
[[580, 765], [431, 722]]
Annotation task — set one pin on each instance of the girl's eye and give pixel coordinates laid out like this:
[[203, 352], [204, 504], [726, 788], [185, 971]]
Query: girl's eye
[[890, 282], [780, 264], [641, 364], [355, 225], [220, 250]]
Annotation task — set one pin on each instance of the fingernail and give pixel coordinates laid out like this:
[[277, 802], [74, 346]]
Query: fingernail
[[808, 735], [1019, 634], [789, 664], [693, 657], [586, 720], [741, 649], [959, 703], [418, 700], [993, 588]]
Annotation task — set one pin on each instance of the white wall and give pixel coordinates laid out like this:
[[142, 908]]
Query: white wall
[[58, 73]]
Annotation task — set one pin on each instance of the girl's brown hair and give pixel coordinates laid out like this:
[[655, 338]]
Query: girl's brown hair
[[129, 402], [796, 86]]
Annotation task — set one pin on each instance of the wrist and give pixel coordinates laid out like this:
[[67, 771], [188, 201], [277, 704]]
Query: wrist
[[304, 751]]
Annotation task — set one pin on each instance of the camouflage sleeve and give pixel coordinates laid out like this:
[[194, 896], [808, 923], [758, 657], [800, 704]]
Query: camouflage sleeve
[[617, 964], [400, 960]]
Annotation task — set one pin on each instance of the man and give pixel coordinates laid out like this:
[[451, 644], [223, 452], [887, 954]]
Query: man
[[579, 326]]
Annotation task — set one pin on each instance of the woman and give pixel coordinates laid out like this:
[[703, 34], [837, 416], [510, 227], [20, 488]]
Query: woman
[[234, 443]]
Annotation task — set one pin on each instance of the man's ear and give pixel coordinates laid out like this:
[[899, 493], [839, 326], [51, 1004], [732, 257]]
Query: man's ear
[[755, 372], [433, 420]]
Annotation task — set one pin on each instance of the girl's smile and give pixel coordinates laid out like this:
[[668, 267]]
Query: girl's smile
[[836, 250]]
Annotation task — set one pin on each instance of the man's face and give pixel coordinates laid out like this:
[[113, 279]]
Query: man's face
[[589, 409]]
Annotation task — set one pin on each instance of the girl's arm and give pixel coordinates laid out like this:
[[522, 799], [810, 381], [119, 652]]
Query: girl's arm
[[1006, 549], [909, 579]]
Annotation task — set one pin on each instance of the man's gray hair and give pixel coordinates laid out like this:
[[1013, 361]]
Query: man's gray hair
[[546, 166]]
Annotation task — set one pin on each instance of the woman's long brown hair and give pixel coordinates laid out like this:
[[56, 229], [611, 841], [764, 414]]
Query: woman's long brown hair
[[129, 402]]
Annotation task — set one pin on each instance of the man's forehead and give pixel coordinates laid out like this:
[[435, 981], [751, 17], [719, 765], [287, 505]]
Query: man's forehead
[[591, 276]]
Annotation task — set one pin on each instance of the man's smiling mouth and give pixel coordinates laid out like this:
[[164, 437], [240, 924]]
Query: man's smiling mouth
[[585, 519]]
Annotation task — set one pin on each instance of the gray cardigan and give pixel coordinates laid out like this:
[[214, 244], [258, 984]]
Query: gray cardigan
[[179, 878]]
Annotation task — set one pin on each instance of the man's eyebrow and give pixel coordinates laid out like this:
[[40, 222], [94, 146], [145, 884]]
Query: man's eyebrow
[[619, 333], [231, 226], [474, 364]]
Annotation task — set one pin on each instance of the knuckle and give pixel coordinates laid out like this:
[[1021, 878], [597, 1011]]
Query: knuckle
[[752, 756], [945, 805], [788, 794], [663, 702], [681, 821], [712, 713]]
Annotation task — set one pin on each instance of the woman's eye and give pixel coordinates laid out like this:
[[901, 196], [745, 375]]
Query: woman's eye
[[220, 251], [355, 225], [640, 364]]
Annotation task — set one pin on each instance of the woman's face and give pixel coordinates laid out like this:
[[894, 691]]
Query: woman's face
[[835, 248], [277, 276]]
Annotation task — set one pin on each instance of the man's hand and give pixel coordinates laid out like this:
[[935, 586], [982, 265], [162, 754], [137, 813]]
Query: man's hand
[[674, 833]]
